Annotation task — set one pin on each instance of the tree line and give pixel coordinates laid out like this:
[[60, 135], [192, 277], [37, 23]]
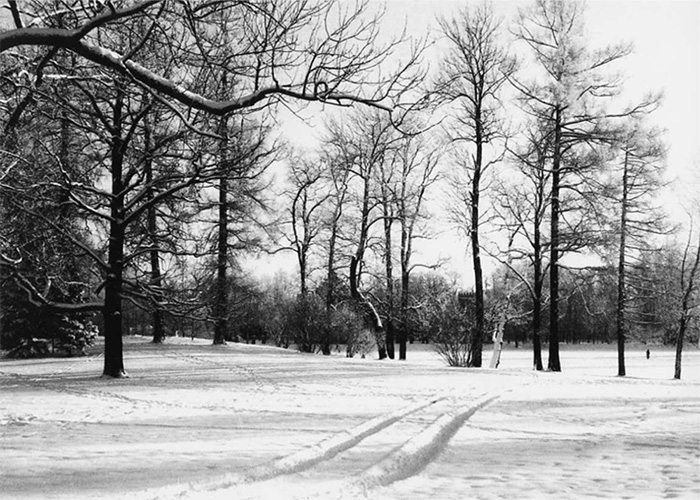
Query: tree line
[[139, 137]]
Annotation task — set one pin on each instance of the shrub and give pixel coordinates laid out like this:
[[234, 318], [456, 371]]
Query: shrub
[[306, 322], [453, 330]]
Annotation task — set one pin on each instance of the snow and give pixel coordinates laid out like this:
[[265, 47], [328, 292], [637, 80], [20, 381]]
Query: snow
[[197, 421]]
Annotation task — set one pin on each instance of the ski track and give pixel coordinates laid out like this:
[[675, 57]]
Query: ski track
[[410, 457]]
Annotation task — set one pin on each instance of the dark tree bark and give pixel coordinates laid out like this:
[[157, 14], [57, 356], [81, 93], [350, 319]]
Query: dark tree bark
[[477, 341], [553, 363], [221, 294], [154, 253], [389, 270], [473, 73], [620, 318], [112, 312], [538, 280]]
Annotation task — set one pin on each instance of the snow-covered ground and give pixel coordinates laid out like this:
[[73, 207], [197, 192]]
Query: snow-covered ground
[[202, 422]]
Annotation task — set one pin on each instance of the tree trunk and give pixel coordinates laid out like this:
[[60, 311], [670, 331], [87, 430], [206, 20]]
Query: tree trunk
[[621, 278], [389, 268], [682, 326], [537, 302], [406, 250], [330, 276], [221, 299], [112, 312], [156, 282], [152, 223], [370, 312], [498, 342], [477, 341], [403, 332], [554, 363], [356, 261]]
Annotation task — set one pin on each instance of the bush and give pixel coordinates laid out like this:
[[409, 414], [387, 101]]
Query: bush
[[307, 322], [453, 330], [347, 326]]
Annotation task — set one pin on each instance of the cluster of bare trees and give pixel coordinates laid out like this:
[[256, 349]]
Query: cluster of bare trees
[[139, 115], [137, 136], [579, 171], [362, 201]]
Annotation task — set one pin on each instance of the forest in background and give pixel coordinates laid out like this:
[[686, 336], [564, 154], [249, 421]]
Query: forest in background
[[138, 139]]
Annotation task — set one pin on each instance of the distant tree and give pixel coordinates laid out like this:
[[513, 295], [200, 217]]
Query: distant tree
[[338, 178], [308, 197]]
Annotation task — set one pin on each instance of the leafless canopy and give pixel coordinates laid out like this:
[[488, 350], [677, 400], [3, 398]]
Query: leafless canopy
[[309, 50]]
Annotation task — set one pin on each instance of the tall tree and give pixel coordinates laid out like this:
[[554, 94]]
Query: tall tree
[[472, 76], [522, 207], [570, 98], [417, 169], [641, 221], [387, 205], [364, 142]]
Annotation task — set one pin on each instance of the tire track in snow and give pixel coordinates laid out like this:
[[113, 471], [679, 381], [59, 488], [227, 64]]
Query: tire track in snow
[[407, 460], [421, 449], [299, 461], [410, 458]]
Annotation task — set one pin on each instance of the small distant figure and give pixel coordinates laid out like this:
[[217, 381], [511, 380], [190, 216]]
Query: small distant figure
[[648, 353]]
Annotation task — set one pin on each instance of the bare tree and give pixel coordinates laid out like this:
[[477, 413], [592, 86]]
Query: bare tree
[[417, 166], [363, 143], [472, 76], [522, 207], [305, 51], [640, 220], [308, 199], [569, 98], [690, 265]]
